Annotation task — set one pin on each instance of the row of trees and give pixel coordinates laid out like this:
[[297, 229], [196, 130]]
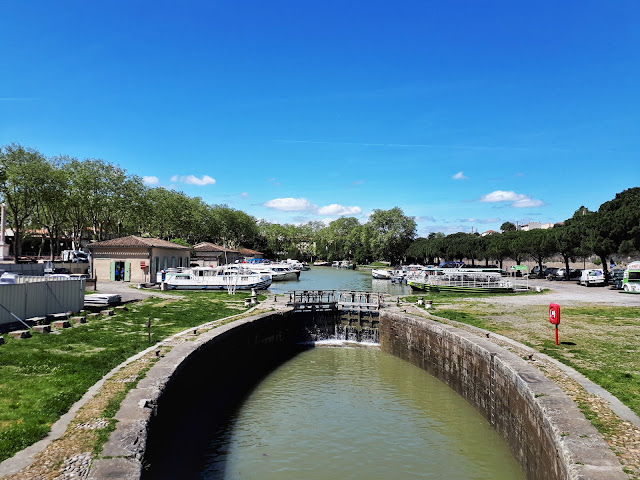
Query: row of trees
[[72, 198], [67, 197], [78, 198], [613, 229]]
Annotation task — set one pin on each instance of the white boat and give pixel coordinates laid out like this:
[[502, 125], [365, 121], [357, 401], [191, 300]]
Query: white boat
[[214, 278], [278, 271], [321, 263], [382, 274]]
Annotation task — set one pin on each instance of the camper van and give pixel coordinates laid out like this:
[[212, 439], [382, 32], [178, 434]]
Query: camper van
[[631, 279], [592, 276]]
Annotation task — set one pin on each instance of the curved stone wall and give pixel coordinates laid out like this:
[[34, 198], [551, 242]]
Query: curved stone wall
[[547, 434]]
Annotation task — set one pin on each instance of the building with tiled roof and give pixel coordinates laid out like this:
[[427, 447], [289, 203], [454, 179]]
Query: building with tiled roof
[[211, 255], [135, 259]]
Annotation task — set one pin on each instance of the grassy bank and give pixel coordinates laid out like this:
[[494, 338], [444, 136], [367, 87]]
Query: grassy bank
[[601, 342], [41, 377]]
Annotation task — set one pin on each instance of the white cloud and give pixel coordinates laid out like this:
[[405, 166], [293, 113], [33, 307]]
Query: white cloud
[[424, 219], [193, 180], [150, 180], [460, 176], [515, 200], [479, 220], [337, 210], [290, 204], [244, 195]]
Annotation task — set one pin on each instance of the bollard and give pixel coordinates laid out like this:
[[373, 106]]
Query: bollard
[[420, 301], [429, 304]]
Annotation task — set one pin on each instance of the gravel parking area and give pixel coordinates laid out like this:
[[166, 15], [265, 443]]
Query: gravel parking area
[[568, 293]]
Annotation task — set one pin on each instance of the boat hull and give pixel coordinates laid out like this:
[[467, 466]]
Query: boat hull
[[426, 287]]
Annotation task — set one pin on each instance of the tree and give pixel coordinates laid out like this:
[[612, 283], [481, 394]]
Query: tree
[[392, 233], [22, 176], [567, 242], [52, 205], [539, 243], [507, 227], [514, 245]]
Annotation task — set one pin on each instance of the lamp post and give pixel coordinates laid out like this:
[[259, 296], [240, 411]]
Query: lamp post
[[4, 248]]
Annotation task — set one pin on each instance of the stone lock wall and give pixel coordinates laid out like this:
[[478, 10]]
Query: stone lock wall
[[545, 431]]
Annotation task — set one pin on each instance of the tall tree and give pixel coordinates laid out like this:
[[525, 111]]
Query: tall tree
[[21, 178], [393, 232]]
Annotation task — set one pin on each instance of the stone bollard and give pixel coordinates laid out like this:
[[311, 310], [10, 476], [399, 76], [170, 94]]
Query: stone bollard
[[78, 320], [20, 334], [247, 302], [1, 340], [429, 304], [420, 301], [60, 324], [164, 286], [106, 313], [254, 297], [41, 328]]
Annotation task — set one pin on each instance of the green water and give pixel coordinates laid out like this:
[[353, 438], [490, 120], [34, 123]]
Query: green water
[[328, 278], [351, 413]]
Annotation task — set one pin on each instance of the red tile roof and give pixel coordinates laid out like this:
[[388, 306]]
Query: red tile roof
[[136, 242], [211, 247]]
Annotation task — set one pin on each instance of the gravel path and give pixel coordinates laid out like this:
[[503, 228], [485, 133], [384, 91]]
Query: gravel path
[[565, 293]]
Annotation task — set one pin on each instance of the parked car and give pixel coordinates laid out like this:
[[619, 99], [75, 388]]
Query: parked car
[[574, 273], [617, 278], [592, 276], [535, 271], [550, 273], [559, 274]]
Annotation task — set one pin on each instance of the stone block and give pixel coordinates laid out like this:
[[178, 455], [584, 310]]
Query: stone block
[[92, 316], [37, 320], [42, 328], [122, 308], [78, 320], [106, 313], [1, 340], [60, 324], [20, 334]]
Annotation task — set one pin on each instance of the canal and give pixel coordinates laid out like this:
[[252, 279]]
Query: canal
[[346, 412], [328, 278]]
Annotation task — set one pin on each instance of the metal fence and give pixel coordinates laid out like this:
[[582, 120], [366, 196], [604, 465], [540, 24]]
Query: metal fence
[[38, 297]]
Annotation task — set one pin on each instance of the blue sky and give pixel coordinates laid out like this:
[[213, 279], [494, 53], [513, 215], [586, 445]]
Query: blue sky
[[464, 113]]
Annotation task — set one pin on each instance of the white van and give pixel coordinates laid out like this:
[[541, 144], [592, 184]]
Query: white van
[[592, 276]]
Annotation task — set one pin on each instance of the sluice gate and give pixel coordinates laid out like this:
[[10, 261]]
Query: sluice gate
[[353, 316]]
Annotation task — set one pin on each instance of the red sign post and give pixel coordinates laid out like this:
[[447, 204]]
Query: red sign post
[[554, 317]]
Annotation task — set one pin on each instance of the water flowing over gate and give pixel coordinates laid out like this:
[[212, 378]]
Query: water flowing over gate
[[339, 314]]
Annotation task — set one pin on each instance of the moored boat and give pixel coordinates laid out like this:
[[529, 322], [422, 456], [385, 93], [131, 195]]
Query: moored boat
[[382, 274], [214, 278]]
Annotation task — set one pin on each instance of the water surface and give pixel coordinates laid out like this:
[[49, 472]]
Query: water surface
[[350, 413], [328, 278]]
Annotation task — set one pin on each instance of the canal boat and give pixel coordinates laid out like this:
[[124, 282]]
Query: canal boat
[[279, 272], [344, 264], [214, 278], [382, 274], [462, 280]]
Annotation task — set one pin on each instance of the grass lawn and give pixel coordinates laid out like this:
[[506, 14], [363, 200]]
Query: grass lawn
[[41, 377]]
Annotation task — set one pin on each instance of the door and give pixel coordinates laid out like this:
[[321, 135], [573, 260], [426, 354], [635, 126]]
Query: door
[[112, 271], [127, 271]]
